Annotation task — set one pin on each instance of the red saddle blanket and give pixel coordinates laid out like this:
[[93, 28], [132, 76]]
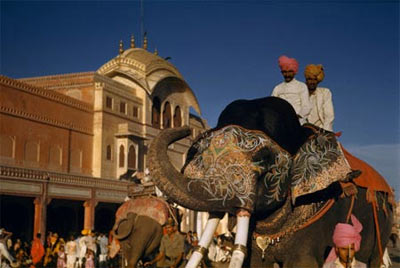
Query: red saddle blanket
[[369, 177], [152, 207]]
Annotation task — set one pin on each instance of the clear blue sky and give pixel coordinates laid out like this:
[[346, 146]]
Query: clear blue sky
[[228, 50]]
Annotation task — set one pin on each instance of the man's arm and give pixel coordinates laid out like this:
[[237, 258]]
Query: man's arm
[[328, 112], [178, 260], [275, 92], [305, 102], [156, 259]]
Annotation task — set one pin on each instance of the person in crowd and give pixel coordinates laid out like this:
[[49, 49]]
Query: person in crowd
[[322, 113], [89, 259], [61, 260], [187, 243], [50, 259], [347, 240], [293, 91], [4, 237], [37, 251], [83, 246], [171, 248], [71, 249], [103, 243]]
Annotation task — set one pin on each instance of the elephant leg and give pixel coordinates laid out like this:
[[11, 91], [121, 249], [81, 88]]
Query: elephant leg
[[204, 243], [239, 252]]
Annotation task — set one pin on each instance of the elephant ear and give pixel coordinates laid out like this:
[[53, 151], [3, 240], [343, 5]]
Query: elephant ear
[[318, 163], [123, 227], [228, 163]]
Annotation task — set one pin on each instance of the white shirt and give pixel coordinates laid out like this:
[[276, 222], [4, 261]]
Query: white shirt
[[296, 93], [322, 113], [337, 264]]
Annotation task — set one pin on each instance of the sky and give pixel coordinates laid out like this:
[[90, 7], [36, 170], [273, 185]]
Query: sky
[[228, 50]]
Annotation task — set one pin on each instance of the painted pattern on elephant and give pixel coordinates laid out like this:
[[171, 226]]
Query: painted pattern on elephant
[[224, 164]]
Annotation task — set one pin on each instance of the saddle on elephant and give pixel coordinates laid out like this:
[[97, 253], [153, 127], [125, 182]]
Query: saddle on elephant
[[369, 178], [153, 207]]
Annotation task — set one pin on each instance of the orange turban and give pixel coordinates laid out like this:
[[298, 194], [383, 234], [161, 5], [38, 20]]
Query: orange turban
[[314, 71]]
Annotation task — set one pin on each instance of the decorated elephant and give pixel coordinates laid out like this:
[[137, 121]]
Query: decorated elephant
[[138, 227], [288, 186]]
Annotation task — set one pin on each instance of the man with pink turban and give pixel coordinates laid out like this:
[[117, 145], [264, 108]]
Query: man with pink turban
[[322, 113], [347, 240], [293, 91]]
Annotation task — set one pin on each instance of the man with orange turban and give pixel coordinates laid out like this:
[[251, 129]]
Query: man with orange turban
[[293, 91], [322, 113], [347, 240]]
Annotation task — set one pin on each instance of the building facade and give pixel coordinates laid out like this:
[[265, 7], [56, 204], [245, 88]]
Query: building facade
[[71, 144]]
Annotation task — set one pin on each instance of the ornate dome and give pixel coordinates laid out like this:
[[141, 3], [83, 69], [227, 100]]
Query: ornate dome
[[149, 71]]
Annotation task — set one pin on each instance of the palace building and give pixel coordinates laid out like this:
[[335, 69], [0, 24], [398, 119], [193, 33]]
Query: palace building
[[74, 146]]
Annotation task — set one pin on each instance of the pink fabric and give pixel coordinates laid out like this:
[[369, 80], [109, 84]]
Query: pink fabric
[[288, 64], [346, 234]]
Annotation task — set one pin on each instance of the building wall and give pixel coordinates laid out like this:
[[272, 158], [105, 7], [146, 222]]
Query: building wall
[[49, 130]]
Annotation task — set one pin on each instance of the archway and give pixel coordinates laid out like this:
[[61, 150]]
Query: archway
[[17, 216], [105, 217], [65, 217]]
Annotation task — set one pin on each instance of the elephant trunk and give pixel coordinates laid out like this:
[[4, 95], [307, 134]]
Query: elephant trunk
[[170, 181]]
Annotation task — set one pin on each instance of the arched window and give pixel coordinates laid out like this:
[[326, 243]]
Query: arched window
[[31, 151], [167, 115], [108, 152], [155, 113], [121, 156], [132, 157], [177, 117], [6, 146], [55, 156]]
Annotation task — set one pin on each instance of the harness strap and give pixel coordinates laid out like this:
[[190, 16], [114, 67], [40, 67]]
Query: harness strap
[[378, 233], [353, 197]]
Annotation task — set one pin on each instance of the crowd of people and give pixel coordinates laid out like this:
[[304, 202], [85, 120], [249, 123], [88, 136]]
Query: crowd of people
[[86, 250]]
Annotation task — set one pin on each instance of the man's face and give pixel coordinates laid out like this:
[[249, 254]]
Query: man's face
[[345, 254], [169, 229], [288, 75], [311, 83]]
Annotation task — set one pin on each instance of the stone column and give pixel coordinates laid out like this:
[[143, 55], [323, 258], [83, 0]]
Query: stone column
[[39, 223], [90, 206], [40, 218]]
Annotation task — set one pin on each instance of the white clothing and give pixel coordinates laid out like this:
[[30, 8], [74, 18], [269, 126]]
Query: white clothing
[[4, 252], [296, 93], [337, 264], [103, 243], [322, 113], [71, 249]]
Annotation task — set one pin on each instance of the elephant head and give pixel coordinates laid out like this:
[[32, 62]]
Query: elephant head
[[139, 236], [124, 226], [244, 171]]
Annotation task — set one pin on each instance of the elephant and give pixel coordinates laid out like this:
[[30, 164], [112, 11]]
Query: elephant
[[288, 186], [139, 227]]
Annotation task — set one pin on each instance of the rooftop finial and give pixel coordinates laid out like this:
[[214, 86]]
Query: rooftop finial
[[145, 41], [156, 52], [121, 47], [132, 41]]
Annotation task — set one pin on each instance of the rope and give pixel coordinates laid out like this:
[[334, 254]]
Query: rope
[[353, 197], [378, 233]]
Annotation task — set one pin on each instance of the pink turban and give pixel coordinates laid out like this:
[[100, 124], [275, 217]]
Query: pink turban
[[288, 64], [346, 234]]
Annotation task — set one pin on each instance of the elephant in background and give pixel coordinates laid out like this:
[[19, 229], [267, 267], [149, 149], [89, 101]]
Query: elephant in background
[[287, 184], [139, 227]]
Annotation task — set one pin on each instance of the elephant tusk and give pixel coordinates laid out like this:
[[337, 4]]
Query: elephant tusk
[[239, 252], [204, 243]]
